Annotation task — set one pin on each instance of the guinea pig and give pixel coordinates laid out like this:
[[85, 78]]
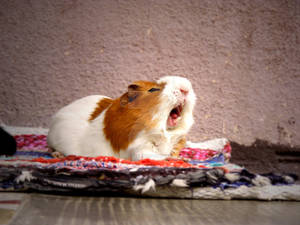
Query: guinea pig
[[150, 120]]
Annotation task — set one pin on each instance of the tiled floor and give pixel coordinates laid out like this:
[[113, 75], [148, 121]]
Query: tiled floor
[[9, 203], [23, 209]]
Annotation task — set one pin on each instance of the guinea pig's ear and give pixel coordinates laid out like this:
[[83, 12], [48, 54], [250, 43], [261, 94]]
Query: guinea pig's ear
[[133, 92], [133, 87]]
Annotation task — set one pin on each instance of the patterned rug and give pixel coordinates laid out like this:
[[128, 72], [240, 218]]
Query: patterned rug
[[198, 173]]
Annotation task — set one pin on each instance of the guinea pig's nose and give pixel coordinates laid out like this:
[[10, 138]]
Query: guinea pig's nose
[[183, 91]]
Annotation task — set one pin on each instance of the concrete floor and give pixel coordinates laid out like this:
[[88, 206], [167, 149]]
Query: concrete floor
[[39, 209]]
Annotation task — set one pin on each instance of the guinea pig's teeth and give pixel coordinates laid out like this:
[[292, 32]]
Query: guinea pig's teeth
[[178, 112], [180, 108]]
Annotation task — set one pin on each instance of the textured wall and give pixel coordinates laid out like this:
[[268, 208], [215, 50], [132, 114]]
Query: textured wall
[[243, 58]]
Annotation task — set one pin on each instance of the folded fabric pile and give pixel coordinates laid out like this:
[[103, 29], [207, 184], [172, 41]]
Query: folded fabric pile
[[199, 173]]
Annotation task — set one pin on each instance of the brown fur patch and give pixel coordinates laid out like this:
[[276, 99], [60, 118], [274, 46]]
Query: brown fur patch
[[177, 147], [131, 113], [101, 105]]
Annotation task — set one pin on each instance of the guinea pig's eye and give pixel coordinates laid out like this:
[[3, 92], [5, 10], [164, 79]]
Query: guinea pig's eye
[[154, 89]]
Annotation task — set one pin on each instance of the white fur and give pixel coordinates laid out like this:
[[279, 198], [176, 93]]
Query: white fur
[[72, 133]]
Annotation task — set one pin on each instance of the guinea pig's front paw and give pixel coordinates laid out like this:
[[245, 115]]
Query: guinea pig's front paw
[[58, 155], [157, 157], [148, 155]]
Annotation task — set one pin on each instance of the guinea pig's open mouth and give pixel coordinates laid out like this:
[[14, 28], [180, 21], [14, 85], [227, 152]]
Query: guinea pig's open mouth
[[174, 116]]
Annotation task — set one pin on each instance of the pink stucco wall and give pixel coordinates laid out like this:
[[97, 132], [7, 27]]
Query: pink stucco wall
[[243, 58]]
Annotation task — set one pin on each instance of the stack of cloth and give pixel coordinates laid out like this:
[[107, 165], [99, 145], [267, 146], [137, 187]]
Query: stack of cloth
[[202, 172]]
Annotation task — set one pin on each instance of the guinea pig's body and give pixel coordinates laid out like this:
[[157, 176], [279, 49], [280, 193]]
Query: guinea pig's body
[[149, 121]]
